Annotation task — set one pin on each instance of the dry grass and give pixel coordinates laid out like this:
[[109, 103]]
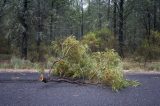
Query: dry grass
[[131, 65], [21, 70]]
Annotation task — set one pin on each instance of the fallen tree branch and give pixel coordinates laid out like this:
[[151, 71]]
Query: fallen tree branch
[[68, 81], [79, 82], [61, 58]]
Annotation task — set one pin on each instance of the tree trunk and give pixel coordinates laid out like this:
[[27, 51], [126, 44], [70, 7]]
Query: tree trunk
[[51, 24], [121, 41], [82, 23], [155, 15], [24, 45], [51, 28], [39, 30], [115, 19], [108, 12], [149, 25], [2, 7]]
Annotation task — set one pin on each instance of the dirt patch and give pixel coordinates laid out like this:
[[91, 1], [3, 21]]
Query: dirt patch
[[19, 70], [35, 71], [140, 72]]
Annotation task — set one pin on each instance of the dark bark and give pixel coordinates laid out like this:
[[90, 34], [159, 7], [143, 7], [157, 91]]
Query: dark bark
[[24, 45], [82, 22], [51, 24], [39, 30], [121, 41], [115, 19], [108, 12], [149, 25], [51, 28], [155, 15], [2, 7]]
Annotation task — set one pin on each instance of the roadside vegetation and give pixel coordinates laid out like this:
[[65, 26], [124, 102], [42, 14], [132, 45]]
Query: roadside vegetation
[[85, 59], [91, 40]]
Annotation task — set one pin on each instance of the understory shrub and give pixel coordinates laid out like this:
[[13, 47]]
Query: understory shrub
[[100, 40], [149, 49]]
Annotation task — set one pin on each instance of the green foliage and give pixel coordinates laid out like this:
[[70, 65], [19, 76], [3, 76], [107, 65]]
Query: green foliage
[[100, 40], [35, 56], [150, 48], [39, 67], [107, 39], [104, 67], [109, 70], [92, 41], [62, 68], [73, 52]]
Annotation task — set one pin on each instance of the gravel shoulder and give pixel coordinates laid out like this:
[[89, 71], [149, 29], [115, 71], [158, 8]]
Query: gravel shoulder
[[35, 71]]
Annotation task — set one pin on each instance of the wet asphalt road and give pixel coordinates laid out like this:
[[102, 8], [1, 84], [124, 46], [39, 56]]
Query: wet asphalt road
[[23, 89]]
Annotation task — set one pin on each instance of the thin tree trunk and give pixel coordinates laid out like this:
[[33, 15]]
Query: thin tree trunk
[[51, 24], [24, 45], [115, 19], [51, 28], [2, 7], [155, 15], [121, 41], [82, 22], [39, 30], [149, 25], [108, 12]]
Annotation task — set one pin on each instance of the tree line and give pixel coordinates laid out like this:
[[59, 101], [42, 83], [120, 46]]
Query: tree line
[[28, 26]]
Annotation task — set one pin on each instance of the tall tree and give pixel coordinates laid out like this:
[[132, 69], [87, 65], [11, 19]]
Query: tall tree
[[155, 14], [82, 21], [23, 21], [108, 12], [115, 18], [39, 33], [121, 41], [2, 7], [51, 21]]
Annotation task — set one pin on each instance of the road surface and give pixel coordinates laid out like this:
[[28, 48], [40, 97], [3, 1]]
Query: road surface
[[23, 89]]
